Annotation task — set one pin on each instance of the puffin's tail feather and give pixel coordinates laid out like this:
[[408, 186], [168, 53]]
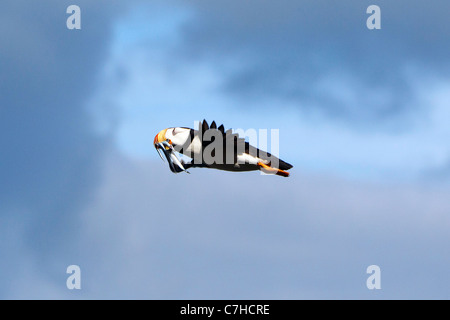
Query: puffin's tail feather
[[283, 165], [267, 169]]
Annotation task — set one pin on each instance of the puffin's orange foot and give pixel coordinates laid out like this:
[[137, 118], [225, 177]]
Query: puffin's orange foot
[[268, 169]]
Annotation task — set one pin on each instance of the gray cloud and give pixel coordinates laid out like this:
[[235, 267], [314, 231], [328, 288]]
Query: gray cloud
[[50, 152], [211, 235], [291, 50]]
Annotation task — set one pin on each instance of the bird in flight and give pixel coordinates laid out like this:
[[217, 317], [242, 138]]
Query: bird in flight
[[212, 147]]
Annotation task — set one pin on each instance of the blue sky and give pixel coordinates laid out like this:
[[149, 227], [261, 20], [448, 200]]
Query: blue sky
[[362, 115], [412, 141]]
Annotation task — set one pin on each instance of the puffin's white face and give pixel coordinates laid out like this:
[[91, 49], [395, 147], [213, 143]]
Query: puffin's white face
[[177, 136], [166, 140], [172, 136]]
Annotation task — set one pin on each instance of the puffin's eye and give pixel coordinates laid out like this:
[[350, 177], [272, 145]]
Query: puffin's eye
[[177, 131]]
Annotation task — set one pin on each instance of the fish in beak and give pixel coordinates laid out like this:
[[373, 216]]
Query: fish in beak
[[164, 146]]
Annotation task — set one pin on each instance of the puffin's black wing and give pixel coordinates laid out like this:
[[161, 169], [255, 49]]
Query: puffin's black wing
[[229, 140], [232, 141]]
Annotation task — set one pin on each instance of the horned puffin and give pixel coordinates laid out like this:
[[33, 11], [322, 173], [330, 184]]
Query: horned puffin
[[212, 147]]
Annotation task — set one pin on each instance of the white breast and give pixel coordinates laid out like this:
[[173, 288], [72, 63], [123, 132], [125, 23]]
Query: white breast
[[195, 146]]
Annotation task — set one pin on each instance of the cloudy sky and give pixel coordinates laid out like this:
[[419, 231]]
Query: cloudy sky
[[362, 115]]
